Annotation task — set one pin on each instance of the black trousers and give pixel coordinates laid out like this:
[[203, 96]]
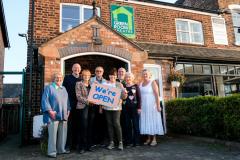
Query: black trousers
[[99, 129], [82, 128], [72, 130], [113, 124], [132, 125]]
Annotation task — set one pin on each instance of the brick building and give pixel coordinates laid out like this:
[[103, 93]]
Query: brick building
[[4, 43], [203, 44]]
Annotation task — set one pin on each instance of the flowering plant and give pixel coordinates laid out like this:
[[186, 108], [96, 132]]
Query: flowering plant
[[176, 76]]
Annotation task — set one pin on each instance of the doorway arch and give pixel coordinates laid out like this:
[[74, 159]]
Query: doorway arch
[[90, 60]]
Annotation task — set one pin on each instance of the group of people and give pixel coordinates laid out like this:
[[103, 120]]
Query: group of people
[[74, 122]]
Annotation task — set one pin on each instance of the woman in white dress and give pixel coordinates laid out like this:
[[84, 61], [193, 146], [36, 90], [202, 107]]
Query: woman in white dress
[[150, 117]]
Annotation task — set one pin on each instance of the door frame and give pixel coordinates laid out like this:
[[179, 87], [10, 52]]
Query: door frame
[[92, 53]]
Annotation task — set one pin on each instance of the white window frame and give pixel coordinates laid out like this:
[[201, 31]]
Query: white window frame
[[81, 16], [235, 9], [189, 21]]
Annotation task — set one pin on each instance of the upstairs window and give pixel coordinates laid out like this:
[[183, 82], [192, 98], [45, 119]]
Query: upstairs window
[[236, 26], [189, 31], [74, 14]]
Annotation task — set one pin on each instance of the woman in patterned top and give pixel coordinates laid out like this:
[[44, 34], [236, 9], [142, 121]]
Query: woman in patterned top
[[133, 109]]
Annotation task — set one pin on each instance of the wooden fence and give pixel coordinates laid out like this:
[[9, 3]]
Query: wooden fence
[[9, 119]]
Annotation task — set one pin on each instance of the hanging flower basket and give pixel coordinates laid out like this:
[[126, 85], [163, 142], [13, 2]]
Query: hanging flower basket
[[175, 83], [176, 78]]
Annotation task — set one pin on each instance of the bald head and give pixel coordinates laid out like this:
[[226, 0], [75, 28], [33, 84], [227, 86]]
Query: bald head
[[76, 69]]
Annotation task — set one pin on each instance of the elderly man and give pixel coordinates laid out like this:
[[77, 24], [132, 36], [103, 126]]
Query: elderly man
[[96, 119], [56, 109], [69, 83], [121, 76], [121, 79]]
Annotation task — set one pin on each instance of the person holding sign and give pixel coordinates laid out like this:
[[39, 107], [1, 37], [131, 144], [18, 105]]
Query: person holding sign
[[113, 112], [132, 110], [150, 117], [82, 90], [56, 108], [95, 117]]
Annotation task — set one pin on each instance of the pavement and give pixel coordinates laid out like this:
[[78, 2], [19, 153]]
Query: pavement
[[168, 148]]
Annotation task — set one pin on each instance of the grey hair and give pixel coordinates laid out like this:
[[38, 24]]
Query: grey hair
[[122, 69], [55, 74], [128, 74]]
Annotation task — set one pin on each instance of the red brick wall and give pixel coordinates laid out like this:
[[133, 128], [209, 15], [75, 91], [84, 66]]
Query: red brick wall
[[226, 3], [152, 24]]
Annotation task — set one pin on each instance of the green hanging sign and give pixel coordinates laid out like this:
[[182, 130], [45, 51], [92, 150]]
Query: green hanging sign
[[122, 19]]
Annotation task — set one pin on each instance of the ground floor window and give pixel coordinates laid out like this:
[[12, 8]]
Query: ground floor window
[[209, 79]]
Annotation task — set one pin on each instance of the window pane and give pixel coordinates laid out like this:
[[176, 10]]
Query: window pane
[[197, 38], [223, 69], [88, 12], [236, 19], [71, 12], [182, 25], [188, 68], [231, 70], [179, 68], [237, 70], [196, 27], [206, 69], [237, 36], [183, 37], [198, 69], [69, 24], [216, 70]]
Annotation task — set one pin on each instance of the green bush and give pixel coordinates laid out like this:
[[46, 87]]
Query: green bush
[[205, 116]]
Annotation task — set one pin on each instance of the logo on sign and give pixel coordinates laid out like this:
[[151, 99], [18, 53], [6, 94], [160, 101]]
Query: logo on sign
[[123, 20]]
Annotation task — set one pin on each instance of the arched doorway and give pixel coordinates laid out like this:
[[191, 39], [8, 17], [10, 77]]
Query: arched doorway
[[91, 60]]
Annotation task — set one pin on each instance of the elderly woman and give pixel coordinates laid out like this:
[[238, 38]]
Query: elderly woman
[[150, 119], [113, 113], [82, 91], [132, 110], [56, 109]]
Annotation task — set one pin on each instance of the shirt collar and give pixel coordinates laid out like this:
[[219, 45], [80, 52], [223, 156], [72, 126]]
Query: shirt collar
[[56, 86]]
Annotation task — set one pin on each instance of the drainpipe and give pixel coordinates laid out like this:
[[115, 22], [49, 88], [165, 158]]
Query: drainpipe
[[31, 62]]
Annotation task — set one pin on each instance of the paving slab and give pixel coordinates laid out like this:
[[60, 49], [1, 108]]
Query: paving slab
[[168, 148]]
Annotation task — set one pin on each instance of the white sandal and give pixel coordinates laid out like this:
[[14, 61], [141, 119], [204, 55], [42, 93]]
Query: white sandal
[[153, 143]]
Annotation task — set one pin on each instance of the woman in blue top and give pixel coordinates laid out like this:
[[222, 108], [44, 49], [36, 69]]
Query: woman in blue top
[[56, 109]]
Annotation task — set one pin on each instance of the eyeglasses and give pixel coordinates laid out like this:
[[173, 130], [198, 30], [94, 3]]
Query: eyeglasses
[[98, 71]]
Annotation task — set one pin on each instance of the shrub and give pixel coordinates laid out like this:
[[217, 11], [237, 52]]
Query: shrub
[[205, 116]]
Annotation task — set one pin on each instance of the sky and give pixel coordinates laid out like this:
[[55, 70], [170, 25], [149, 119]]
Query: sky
[[16, 15]]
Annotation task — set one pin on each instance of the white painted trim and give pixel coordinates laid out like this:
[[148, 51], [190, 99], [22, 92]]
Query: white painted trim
[[190, 32], [234, 7], [92, 53], [168, 7], [160, 90], [81, 12]]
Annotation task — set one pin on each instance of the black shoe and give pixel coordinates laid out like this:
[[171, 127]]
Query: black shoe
[[52, 156], [90, 150], [128, 145], [81, 151]]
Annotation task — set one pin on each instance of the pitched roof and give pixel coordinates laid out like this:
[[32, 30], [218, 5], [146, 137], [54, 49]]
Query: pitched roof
[[3, 26], [188, 52], [179, 5], [99, 20], [12, 90]]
